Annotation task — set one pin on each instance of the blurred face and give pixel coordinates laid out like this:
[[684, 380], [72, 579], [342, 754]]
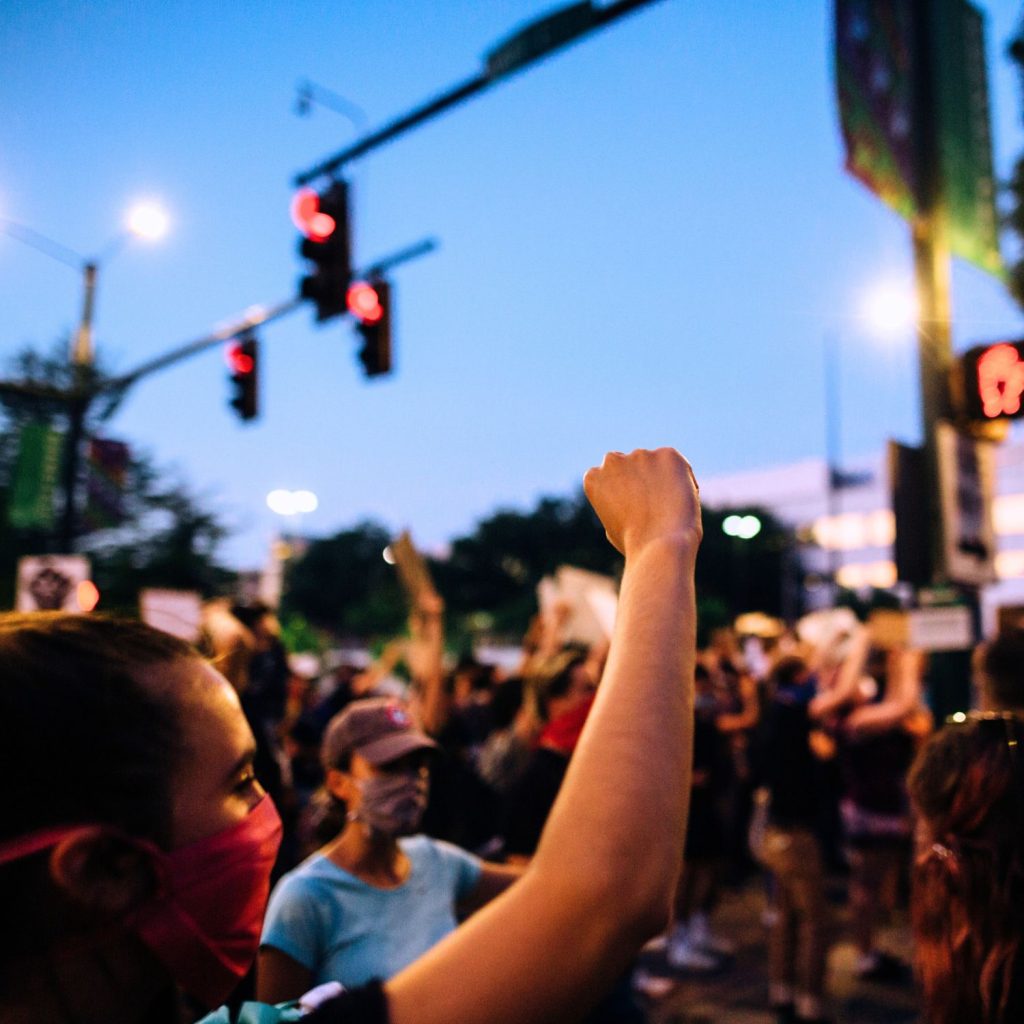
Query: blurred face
[[413, 765], [582, 686], [214, 783]]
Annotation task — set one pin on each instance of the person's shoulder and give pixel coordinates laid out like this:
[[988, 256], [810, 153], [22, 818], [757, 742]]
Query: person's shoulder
[[312, 873], [421, 849]]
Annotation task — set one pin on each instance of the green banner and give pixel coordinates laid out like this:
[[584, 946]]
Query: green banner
[[35, 477], [964, 142], [874, 80]]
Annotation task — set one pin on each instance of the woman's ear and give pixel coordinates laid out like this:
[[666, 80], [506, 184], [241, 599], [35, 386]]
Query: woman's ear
[[105, 873], [339, 784]]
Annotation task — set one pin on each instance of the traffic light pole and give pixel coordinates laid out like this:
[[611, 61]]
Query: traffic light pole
[[932, 278], [526, 46]]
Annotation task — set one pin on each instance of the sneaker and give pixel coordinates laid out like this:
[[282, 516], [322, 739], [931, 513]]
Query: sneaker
[[706, 940], [653, 986], [682, 954]]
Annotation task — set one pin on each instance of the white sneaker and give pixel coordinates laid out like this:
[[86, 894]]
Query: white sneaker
[[705, 939], [653, 986], [682, 954]]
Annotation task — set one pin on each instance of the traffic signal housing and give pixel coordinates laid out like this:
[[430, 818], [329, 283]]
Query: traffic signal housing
[[369, 302], [992, 379], [323, 219], [243, 361]]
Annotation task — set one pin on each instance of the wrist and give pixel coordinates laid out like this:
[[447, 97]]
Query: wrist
[[682, 544]]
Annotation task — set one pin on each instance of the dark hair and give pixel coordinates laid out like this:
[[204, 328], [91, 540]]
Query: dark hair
[[786, 671], [554, 676], [968, 884], [82, 738], [1002, 661]]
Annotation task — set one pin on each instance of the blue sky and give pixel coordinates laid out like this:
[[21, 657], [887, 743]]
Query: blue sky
[[644, 240]]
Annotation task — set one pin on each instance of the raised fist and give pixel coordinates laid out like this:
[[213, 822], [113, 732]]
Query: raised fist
[[645, 496]]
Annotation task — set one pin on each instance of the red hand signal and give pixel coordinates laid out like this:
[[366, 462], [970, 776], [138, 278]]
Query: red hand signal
[[1000, 381]]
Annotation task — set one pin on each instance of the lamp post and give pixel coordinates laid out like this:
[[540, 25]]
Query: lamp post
[[888, 311], [289, 504], [144, 220]]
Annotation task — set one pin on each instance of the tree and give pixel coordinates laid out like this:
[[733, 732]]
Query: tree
[[342, 584], [167, 538], [496, 568]]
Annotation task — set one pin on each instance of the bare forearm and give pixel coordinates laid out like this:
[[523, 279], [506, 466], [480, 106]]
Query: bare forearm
[[624, 798]]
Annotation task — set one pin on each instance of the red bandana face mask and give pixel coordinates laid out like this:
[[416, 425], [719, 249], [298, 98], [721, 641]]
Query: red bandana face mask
[[204, 922]]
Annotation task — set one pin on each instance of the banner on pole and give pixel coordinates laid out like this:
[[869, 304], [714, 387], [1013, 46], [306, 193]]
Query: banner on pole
[[878, 70], [874, 82], [106, 468], [965, 143], [35, 477]]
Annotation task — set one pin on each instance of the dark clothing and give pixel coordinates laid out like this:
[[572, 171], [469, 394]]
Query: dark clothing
[[789, 770], [705, 834], [531, 800]]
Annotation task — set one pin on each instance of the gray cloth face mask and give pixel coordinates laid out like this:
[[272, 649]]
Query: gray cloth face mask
[[392, 804]]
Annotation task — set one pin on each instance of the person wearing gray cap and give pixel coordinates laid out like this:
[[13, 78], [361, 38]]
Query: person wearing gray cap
[[377, 896]]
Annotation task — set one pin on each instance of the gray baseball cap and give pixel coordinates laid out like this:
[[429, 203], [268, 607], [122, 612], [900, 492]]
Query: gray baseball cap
[[377, 728]]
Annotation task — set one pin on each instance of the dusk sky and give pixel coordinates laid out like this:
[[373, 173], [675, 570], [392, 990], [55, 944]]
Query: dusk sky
[[643, 240]]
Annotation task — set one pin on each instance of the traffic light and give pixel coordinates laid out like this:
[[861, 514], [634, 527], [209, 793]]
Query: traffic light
[[370, 303], [993, 381], [322, 217], [243, 360]]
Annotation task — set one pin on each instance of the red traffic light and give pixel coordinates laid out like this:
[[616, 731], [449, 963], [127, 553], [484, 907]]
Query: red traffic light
[[1000, 373], [307, 216], [364, 302], [238, 360]]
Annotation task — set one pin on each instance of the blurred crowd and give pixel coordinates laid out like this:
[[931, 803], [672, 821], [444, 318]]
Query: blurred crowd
[[803, 744], [416, 840]]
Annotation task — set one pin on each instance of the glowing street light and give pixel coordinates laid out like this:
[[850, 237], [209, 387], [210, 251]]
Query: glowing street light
[[890, 309], [292, 503], [148, 220], [741, 527]]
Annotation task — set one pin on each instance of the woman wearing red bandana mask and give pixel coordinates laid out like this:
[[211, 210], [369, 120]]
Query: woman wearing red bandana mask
[[135, 842]]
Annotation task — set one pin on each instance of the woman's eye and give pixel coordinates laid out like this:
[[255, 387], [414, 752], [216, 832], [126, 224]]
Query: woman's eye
[[246, 782]]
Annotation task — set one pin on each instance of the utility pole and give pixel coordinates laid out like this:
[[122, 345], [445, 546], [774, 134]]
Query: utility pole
[[932, 276]]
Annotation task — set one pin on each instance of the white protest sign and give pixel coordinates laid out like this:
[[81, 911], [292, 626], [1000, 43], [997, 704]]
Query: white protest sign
[[54, 583]]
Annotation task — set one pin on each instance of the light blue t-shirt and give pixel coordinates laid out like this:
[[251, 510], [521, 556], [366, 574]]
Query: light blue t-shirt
[[345, 930]]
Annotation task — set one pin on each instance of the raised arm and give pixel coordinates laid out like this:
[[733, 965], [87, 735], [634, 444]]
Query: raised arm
[[603, 875]]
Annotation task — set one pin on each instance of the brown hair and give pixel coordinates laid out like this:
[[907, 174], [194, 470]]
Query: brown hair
[[1002, 661], [966, 786], [82, 738]]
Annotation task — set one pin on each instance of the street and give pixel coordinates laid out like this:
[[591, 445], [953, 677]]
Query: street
[[738, 994]]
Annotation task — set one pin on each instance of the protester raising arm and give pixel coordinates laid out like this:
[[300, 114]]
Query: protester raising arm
[[602, 878]]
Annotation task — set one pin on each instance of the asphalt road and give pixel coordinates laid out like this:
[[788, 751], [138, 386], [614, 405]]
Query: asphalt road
[[738, 993]]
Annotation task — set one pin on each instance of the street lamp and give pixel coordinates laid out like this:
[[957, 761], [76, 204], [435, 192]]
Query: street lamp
[[292, 503], [889, 310], [146, 220]]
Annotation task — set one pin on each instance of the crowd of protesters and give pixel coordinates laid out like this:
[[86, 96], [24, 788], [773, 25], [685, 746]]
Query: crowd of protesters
[[413, 792], [802, 745]]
